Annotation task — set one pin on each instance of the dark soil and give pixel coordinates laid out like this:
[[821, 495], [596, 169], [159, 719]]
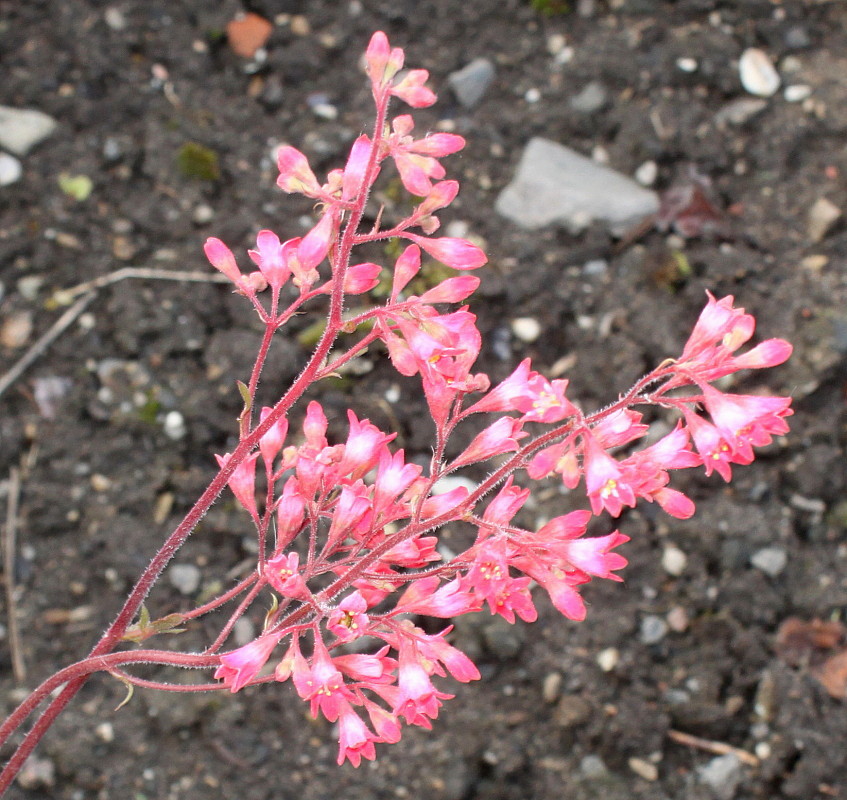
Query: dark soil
[[103, 484]]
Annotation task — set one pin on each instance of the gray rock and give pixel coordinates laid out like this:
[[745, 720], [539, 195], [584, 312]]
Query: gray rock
[[721, 776], [185, 578], [653, 629], [739, 111], [770, 560], [554, 184], [10, 170], [470, 83], [23, 128], [592, 98]]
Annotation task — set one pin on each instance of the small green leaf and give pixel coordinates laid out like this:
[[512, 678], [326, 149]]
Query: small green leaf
[[196, 161], [244, 391], [77, 186]]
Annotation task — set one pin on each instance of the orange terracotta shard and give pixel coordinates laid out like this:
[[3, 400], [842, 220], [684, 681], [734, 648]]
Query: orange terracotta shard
[[247, 33]]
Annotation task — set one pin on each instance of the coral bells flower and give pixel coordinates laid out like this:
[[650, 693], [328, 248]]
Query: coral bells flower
[[240, 666], [355, 741], [243, 481], [283, 574], [349, 619], [321, 683]]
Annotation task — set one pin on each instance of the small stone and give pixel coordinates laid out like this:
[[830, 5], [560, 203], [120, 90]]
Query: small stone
[[591, 99], [797, 38], [123, 249], [770, 560], [21, 129], [593, 767], [105, 732], [686, 64], [244, 631], [556, 43], [678, 619], [815, 262], [247, 33], [471, 82], [299, 25], [185, 578], [674, 561], [30, 285], [203, 214], [100, 483], [572, 710], [739, 111], [595, 267], [115, 18], [16, 329], [643, 768], [721, 776], [10, 170], [653, 629], [552, 687], [532, 95], [608, 659], [527, 329], [797, 92], [647, 173], [822, 216], [757, 72], [174, 426], [37, 773]]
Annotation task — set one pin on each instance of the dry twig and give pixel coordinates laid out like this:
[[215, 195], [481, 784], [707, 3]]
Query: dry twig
[[34, 352], [719, 748], [146, 273], [9, 547]]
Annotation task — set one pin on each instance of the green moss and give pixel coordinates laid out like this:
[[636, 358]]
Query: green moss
[[550, 8], [197, 161]]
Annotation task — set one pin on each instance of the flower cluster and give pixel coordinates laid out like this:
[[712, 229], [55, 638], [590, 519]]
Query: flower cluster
[[348, 531], [355, 551]]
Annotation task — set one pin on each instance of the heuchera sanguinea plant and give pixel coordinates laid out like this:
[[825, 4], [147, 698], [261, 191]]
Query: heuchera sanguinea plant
[[348, 530]]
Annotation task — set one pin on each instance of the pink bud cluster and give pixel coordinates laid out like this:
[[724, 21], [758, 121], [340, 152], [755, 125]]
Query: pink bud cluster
[[354, 554]]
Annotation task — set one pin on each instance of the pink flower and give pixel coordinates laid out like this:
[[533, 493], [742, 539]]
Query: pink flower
[[283, 574], [354, 171], [605, 483], [295, 175], [500, 437], [405, 268], [355, 741], [321, 683], [243, 481], [365, 442], [424, 596], [393, 477], [381, 62], [221, 258], [240, 666], [455, 253], [349, 620], [269, 256], [271, 443], [412, 90]]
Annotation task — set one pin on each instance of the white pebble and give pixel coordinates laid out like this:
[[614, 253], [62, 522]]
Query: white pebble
[[532, 95], [647, 173], [758, 74], [527, 329], [674, 561], [608, 659], [10, 170], [174, 425], [797, 93], [687, 64], [770, 560], [105, 732]]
